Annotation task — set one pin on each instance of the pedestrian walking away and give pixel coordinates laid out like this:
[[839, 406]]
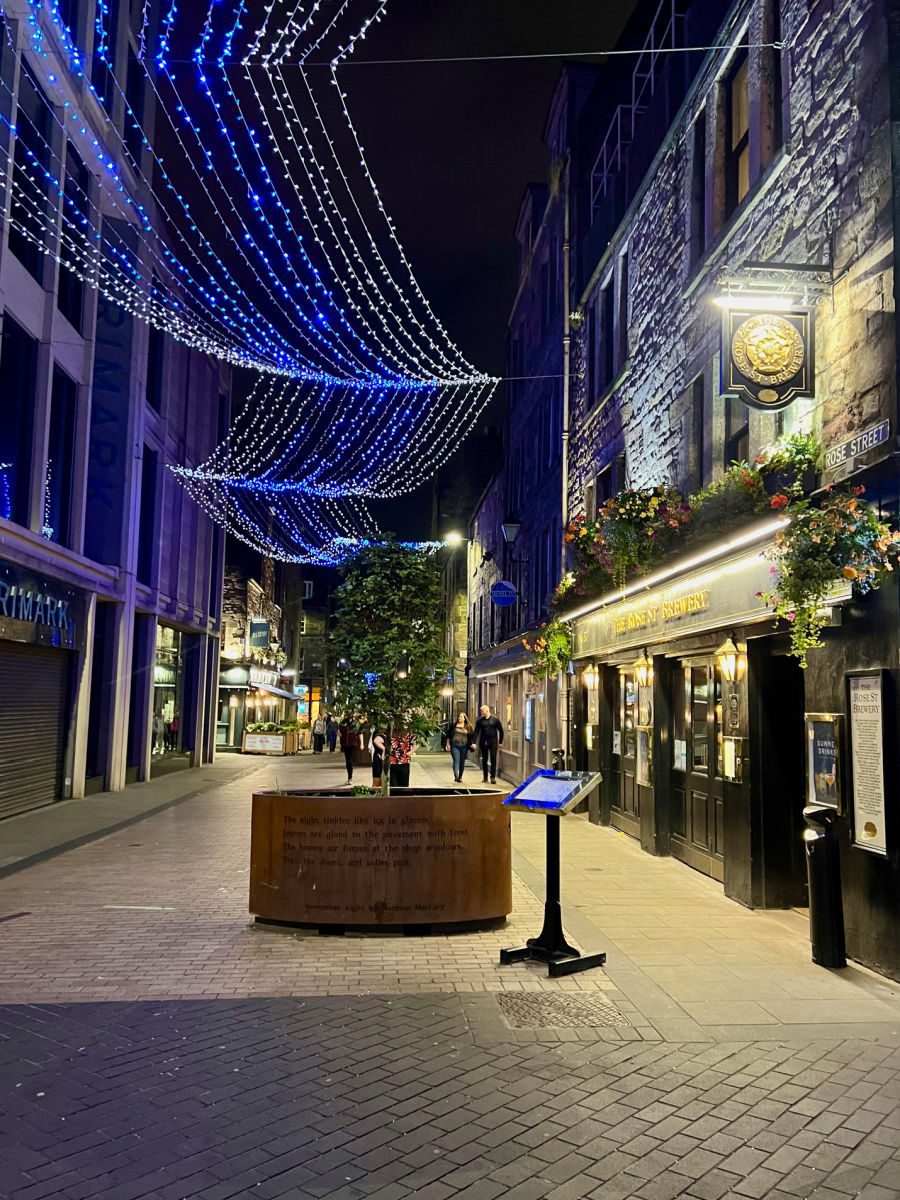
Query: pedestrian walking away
[[403, 747], [459, 737], [489, 739], [377, 758], [331, 733], [319, 727], [349, 744]]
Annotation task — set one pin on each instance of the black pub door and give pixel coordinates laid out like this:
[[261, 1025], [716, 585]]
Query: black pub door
[[626, 806], [697, 767]]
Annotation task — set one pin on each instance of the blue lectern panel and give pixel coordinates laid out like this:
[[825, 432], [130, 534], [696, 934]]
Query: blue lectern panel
[[552, 792]]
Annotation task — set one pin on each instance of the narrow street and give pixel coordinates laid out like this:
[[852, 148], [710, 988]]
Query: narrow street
[[156, 1043]]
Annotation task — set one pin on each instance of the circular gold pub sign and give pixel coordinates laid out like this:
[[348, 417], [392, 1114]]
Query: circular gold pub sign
[[768, 356]]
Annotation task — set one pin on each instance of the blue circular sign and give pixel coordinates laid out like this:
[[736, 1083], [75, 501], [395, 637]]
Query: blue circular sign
[[504, 594]]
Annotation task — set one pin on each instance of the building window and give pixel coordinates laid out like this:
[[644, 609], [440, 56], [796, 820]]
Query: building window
[[57, 516], [772, 100], [28, 212], [698, 189], [75, 249], [737, 431], [622, 318], [146, 560], [134, 108], [607, 348], [307, 589], [18, 370], [696, 450], [156, 350], [737, 132]]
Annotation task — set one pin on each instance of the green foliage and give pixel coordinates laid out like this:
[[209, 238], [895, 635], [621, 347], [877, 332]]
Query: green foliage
[[551, 647], [794, 455], [841, 540], [637, 525], [739, 493], [389, 614], [362, 790], [268, 727]]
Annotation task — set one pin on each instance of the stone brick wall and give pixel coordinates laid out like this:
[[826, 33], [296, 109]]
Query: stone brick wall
[[242, 600], [825, 197]]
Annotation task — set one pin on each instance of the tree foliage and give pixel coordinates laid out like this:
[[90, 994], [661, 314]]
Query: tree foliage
[[389, 620]]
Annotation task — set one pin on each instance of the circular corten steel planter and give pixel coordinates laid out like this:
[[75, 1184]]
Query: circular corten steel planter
[[420, 857]]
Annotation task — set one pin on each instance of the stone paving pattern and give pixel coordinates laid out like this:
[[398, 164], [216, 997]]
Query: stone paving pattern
[[229, 1060]]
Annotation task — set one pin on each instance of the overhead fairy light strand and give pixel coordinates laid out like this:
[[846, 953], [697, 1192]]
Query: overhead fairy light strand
[[249, 227]]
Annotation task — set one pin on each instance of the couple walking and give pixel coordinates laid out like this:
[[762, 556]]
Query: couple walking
[[487, 737]]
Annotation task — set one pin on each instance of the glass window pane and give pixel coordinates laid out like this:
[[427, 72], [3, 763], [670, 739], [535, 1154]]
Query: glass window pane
[[700, 718], [630, 699]]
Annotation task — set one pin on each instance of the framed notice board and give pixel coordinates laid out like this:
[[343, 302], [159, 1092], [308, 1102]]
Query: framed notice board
[[824, 754], [867, 703]]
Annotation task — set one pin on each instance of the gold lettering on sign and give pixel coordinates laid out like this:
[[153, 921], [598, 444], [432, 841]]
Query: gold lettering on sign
[[641, 618], [692, 603]]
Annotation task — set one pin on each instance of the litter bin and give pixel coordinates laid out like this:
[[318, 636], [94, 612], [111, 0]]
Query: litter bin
[[823, 869]]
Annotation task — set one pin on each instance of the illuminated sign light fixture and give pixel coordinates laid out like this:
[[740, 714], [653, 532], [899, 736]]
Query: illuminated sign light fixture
[[732, 659], [643, 669]]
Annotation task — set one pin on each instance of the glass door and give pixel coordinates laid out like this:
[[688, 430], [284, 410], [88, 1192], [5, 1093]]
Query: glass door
[[628, 809], [697, 767]]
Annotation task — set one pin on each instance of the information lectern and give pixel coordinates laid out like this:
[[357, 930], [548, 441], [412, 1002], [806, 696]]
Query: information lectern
[[553, 793]]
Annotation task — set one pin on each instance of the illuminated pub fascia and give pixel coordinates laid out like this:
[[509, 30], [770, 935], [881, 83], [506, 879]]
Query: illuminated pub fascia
[[763, 223]]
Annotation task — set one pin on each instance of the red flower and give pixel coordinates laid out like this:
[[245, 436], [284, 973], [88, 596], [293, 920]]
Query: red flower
[[779, 501]]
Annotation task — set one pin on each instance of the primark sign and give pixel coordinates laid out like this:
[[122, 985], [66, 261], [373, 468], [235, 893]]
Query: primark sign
[[39, 610]]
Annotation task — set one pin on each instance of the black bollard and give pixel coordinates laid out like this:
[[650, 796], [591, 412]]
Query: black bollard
[[823, 868]]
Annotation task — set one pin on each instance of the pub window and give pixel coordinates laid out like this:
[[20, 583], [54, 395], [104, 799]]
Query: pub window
[[698, 188], [156, 350], [606, 484], [737, 132], [607, 348], [622, 346], [18, 371], [134, 108], [307, 589], [696, 450], [57, 516], [737, 431]]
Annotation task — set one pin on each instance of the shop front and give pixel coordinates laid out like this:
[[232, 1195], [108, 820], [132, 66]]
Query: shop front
[[687, 701], [42, 628], [168, 699]]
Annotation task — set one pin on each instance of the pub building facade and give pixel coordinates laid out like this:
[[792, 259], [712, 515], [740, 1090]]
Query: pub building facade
[[746, 291], [110, 575]]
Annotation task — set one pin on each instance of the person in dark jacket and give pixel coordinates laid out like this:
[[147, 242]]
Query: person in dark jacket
[[331, 733], [488, 738], [349, 744]]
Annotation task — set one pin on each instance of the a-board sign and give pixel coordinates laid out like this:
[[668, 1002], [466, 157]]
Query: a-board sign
[[552, 792]]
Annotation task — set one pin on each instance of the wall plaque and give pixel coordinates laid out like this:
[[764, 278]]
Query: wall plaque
[[867, 762], [767, 358]]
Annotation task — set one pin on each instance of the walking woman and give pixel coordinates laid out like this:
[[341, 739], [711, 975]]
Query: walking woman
[[460, 740], [349, 744], [377, 758]]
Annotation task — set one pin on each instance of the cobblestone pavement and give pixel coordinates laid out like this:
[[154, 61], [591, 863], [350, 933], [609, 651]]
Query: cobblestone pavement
[[709, 1059], [414, 1096]]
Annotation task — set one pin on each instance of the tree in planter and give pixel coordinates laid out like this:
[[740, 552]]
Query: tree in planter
[[389, 637]]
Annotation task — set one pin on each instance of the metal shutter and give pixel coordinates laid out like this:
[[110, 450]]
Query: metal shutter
[[34, 705]]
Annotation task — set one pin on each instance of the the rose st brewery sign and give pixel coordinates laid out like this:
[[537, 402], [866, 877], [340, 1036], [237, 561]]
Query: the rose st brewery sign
[[767, 358], [38, 610]]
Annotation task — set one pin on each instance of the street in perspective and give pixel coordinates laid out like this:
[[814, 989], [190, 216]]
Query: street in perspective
[[449, 600]]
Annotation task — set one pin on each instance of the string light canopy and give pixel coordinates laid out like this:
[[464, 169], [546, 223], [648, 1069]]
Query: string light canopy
[[241, 218]]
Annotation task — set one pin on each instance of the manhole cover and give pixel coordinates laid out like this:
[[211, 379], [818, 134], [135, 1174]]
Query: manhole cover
[[544, 1010]]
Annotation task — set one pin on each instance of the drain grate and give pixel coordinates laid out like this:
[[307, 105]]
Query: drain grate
[[544, 1010]]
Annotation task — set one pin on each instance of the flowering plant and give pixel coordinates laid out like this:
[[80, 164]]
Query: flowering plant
[[840, 540], [551, 647], [636, 525], [790, 463]]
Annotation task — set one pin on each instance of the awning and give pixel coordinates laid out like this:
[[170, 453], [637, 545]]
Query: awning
[[274, 691]]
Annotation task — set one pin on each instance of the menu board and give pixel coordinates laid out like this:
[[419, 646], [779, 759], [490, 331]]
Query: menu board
[[823, 760], [552, 792], [866, 707]]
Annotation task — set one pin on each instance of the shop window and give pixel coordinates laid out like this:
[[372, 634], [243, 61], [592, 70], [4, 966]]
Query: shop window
[[146, 561], [168, 688], [76, 215], [29, 211], [697, 233], [737, 132], [57, 515], [737, 431], [18, 370]]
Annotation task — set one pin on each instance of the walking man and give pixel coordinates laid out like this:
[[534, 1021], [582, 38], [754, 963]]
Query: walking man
[[318, 735], [488, 739], [349, 744]]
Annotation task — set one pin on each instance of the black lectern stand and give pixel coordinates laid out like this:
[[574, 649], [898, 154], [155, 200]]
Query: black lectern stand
[[553, 793]]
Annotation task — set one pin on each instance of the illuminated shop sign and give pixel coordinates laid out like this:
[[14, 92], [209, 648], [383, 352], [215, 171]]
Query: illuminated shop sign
[[767, 358], [34, 609]]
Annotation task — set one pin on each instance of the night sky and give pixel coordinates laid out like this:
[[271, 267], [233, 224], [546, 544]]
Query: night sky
[[452, 146]]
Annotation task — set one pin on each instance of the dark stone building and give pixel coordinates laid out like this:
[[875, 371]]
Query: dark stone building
[[770, 186]]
